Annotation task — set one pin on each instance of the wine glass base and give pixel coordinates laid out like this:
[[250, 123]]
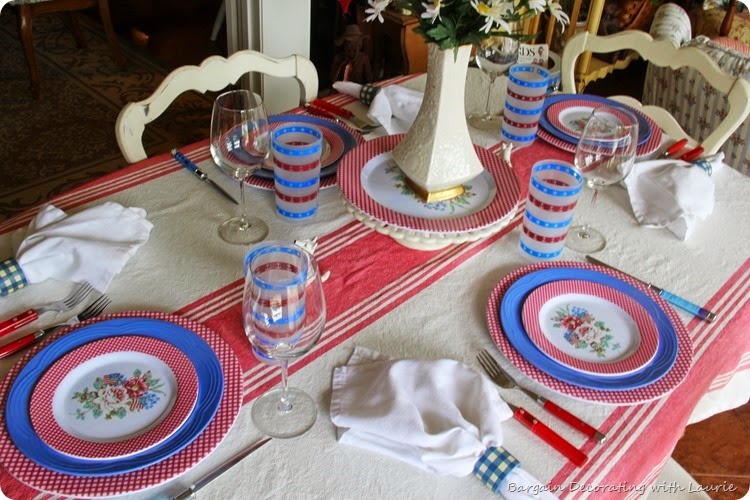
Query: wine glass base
[[243, 231], [584, 239], [491, 123], [284, 424]]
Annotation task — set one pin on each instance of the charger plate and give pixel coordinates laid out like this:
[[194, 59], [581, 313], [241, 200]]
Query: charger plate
[[565, 116], [648, 147], [659, 378], [196, 449], [341, 140], [590, 327], [113, 397], [372, 183]]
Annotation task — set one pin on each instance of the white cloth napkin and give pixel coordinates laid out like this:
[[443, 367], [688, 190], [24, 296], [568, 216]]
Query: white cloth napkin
[[394, 107], [91, 245], [672, 193], [439, 416]]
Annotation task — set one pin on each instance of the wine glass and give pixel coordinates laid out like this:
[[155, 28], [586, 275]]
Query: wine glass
[[494, 56], [605, 155], [240, 142], [284, 312]]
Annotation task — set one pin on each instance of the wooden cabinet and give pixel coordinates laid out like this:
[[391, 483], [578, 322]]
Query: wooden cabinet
[[393, 47]]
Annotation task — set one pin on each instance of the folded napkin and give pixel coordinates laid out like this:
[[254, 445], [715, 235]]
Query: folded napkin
[[673, 193], [92, 245], [392, 106], [439, 416]]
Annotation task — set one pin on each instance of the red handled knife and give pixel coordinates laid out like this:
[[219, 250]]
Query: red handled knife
[[675, 148], [692, 154], [549, 436]]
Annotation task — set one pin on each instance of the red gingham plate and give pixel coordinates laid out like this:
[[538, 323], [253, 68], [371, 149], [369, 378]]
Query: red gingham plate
[[655, 390], [648, 147], [590, 327], [47, 417], [494, 202], [28, 472]]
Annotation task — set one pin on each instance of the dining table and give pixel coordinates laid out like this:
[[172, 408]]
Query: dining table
[[404, 303]]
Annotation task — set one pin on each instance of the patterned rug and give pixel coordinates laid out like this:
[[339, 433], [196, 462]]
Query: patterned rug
[[67, 136]]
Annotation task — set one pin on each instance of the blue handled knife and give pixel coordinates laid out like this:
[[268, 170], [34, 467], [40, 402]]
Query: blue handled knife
[[192, 167]]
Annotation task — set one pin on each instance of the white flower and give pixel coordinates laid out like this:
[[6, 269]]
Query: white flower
[[493, 13], [537, 5], [431, 10], [556, 10], [376, 9]]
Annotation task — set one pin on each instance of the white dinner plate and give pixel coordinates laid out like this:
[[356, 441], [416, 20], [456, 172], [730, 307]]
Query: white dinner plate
[[590, 327]]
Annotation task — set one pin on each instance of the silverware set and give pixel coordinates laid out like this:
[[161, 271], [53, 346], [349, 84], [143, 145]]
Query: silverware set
[[91, 311], [504, 380]]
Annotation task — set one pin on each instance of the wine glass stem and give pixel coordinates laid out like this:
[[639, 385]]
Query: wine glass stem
[[243, 215], [584, 231], [285, 405], [489, 95]]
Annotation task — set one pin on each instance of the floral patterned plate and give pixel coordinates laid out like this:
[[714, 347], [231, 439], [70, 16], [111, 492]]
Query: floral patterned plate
[[373, 183], [570, 117], [663, 374], [590, 327], [212, 392], [114, 397]]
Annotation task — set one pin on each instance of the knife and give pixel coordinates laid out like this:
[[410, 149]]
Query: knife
[[218, 471], [549, 436], [673, 299], [192, 167], [565, 416], [341, 112]]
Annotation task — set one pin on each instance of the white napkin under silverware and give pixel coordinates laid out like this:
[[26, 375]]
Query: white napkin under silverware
[[439, 416], [672, 193], [394, 107], [91, 245]]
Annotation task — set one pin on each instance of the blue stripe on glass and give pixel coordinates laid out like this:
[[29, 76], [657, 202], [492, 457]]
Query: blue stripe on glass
[[540, 255], [266, 248], [525, 112], [557, 191], [544, 223], [519, 138], [296, 215], [297, 150], [295, 185], [529, 69], [285, 320]]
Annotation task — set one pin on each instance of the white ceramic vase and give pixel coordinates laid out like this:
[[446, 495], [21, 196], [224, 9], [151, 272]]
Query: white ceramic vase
[[437, 153]]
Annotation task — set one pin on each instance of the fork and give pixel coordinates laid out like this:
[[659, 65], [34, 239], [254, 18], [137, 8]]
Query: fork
[[315, 110], [503, 379], [66, 304], [92, 310]]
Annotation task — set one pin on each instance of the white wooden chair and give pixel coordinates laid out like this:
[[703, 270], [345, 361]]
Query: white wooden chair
[[664, 53], [214, 73]]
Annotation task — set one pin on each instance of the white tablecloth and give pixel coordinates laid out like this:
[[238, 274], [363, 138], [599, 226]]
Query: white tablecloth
[[435, 310]]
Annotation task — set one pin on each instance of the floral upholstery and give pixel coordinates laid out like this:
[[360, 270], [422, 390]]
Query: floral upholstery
[[696, 105], [709, 21]]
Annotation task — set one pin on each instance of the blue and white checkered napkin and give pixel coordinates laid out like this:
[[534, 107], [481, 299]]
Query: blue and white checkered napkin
[[439, 416], [91, 245]]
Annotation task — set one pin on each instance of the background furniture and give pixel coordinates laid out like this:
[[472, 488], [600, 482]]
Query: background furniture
[[215, 73], [27, 9], [696, 104], [663, 53]]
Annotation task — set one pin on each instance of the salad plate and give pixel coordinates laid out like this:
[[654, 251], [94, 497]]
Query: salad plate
[[590, 327], [659, 377], [648, 147], [372, 183], [29, 471], [114, 397]]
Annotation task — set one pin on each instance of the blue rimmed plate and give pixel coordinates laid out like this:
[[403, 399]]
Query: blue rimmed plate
[[552, 104], [511, 318], [210, 390], [329, 163]]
